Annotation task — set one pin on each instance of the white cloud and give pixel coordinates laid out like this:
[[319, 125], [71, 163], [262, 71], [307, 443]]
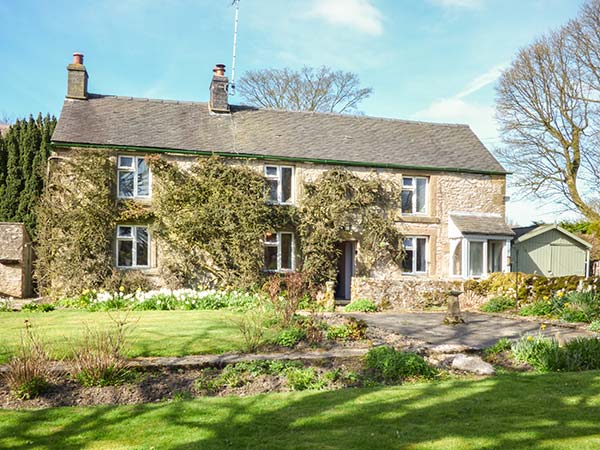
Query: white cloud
[[360, 15], [458, 3], [459, 109]]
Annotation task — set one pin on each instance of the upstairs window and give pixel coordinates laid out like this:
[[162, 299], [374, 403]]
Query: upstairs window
[[133, 177], [133, 246], [281, 184], [279, 252], [415, 255], [414, 195]]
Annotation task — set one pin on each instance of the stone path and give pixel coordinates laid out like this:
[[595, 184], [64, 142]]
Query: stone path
[[479, 331]]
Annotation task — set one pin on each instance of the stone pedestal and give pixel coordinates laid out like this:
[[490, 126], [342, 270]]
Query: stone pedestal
[[453, 315]]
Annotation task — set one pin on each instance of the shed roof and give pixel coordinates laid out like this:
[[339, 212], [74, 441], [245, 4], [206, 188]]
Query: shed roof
[[536, 230], [332, 138]]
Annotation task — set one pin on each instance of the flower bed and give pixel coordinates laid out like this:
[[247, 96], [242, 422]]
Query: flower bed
[[161, 299]]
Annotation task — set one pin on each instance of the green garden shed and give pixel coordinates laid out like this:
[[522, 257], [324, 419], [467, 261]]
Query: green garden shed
[[549, 250]]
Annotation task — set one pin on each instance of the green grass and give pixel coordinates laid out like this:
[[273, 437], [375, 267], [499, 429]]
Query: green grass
[[154, 333], [549, 411]]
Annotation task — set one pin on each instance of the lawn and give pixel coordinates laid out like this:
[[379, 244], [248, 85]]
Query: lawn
[[153, 333], [550, 411]]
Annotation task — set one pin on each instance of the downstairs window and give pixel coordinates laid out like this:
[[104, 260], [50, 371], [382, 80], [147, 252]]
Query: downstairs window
[[133, 246], [279, 252]]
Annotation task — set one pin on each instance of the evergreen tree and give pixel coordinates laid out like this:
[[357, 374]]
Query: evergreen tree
[[24, 151]]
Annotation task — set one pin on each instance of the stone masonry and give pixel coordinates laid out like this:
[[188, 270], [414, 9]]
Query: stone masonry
[[15, 260]]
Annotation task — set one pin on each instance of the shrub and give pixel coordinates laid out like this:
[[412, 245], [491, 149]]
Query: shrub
[[38, 307], [361, 305], [252, 327], [285, 294], [498, 304], [289, 337], [300, 379], [545, 354], [352, 330], [99, 358], [500, 346], [585, 305], [538, 308], [28, 372], [390, 365], [6, 304]]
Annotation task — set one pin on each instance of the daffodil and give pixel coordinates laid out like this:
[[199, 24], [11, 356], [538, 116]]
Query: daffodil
[[543, 326], [530, 338], [121, 288]]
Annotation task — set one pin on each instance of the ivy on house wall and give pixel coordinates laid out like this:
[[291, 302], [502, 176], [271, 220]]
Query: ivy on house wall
[[211, 220], [208, 220], [339, 205], [76, 221]]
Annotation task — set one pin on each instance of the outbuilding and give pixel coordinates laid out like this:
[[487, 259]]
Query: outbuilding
[[15, 260], [549, 250]]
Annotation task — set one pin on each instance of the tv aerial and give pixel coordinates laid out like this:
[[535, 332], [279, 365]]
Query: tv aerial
[[236, 4]]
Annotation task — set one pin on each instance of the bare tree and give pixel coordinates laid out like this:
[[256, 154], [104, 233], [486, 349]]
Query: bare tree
[[547, 106], [308, 89]]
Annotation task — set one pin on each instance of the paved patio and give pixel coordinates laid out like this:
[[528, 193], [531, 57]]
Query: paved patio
[[479, 331]]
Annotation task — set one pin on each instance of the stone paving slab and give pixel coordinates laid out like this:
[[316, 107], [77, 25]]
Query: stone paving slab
[[480, 330]]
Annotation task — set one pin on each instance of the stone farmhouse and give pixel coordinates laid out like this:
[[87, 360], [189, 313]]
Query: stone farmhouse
[[453, 191]]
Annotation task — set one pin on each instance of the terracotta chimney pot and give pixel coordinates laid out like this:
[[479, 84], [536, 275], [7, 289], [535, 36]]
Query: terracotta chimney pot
[[219, 70], [78, 58]]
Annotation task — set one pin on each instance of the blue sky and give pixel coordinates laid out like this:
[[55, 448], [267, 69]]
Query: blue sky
[[434, 60]]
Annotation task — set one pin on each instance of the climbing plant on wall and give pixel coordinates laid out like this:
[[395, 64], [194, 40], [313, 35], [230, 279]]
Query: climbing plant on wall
[[339, 202], [211, 220], [76, 222]]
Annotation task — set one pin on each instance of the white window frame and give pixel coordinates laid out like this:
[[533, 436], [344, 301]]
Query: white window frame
[[277, 244], [414, 246], [278, 178], [134, 170], [413, 188], [132, 238], [465, 255]]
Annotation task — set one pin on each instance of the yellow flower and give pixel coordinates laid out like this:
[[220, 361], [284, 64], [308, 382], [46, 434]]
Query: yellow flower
[[139, 289], [121, 288], [567, 304], [530, 338], [86, 292], [560, 293], [543, 326], [545, 297]]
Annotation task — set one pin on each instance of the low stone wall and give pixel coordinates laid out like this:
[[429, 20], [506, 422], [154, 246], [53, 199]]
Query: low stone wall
[[410, 292]]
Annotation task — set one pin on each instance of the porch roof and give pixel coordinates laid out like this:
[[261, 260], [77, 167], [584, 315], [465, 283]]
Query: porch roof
[[482, 225]]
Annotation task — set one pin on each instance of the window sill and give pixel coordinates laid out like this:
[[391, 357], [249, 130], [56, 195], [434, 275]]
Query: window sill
[[406, 218]]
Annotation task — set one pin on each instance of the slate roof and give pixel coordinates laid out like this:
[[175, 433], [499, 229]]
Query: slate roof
[[525, 233], [187, 126], [491, 225]]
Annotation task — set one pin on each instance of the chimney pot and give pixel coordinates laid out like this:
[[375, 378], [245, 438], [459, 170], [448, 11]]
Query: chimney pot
[[219, 70], [77, 58]]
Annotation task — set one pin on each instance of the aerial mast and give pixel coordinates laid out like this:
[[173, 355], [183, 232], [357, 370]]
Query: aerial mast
[[236, 3]]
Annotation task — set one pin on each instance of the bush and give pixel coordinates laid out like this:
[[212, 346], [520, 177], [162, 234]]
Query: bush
[[300, 379], [38, 307], [290, 337], [352, 330], [498, 304], [99, 359], [361, 305], [546, 355], [285, 294], [538, 351], [390, 365], [538, 308], [252, 327], [500, 346], [594, 326], [28, 373]]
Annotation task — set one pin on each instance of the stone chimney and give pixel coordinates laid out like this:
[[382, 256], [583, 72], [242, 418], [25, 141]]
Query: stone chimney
[[78, 77], [219, 102]]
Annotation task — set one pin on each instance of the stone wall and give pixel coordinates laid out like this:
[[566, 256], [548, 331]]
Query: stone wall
[[409, 293], [15, 260]]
